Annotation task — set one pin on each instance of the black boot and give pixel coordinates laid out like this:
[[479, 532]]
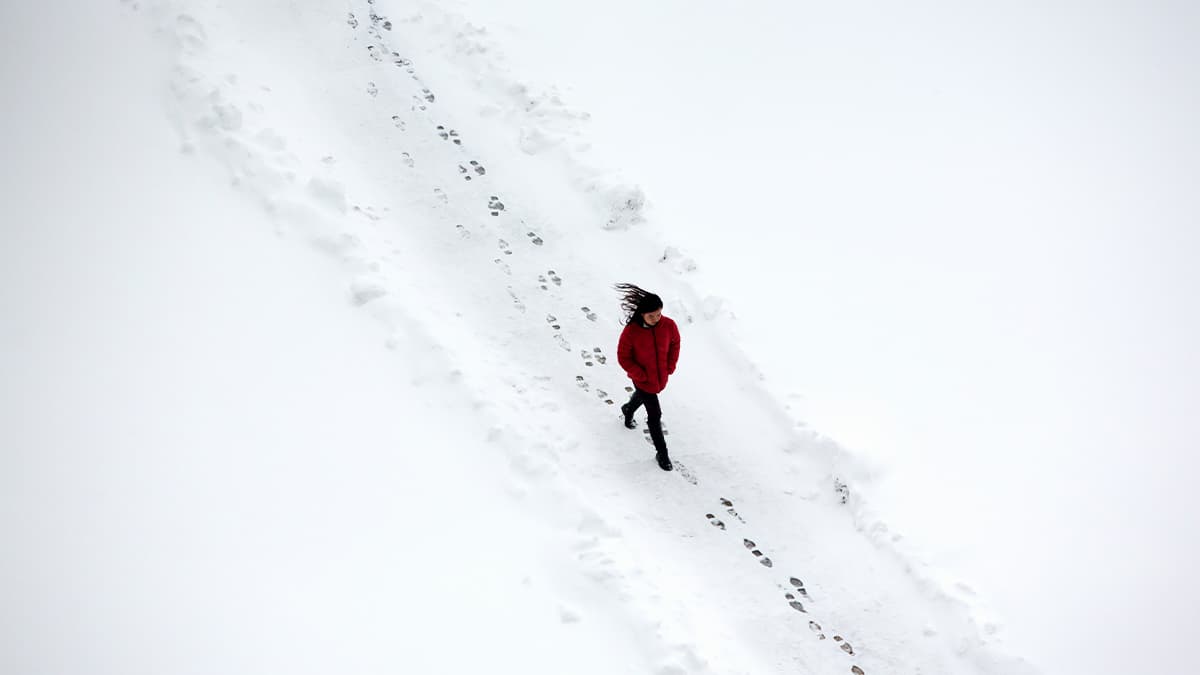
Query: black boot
[[628, 412], [664, 462]]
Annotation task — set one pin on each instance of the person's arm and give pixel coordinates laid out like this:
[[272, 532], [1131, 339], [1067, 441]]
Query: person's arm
[[625, 358], [673, 350]]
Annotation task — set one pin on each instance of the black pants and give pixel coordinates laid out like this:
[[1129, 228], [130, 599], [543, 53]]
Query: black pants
[[653, 416]]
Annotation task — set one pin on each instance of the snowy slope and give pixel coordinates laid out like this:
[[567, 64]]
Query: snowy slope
[[333, 384]]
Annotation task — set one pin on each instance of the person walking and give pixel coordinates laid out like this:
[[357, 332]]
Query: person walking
[[647, 351]]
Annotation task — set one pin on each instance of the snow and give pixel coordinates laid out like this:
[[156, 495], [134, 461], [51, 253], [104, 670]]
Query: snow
[[308, 355]]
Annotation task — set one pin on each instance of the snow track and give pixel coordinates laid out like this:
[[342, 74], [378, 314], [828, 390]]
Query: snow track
[[451, 197]]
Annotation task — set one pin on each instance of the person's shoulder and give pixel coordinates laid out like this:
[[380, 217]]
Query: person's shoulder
[[670, 323]]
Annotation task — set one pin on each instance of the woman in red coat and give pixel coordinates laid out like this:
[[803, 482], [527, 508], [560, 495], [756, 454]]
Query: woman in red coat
[[648, 351]]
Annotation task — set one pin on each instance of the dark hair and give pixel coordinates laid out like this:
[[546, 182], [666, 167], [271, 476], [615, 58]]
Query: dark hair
[[637, 301]]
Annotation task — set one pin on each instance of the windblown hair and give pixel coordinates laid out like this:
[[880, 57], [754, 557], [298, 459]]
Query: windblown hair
[[637, 301]]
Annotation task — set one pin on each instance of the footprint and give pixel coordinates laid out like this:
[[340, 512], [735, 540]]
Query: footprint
[[593, 357], [387, 25], [816, 628], [364, 290], [368, 211], [372, 89], [583, 384], [429, 97], [398, 122], [441, 195], [799, 586], [729, 509], [713, 519], [495, 205], [407, 159], [685, 472], [419, 105], [841, 489], [466, 173], [516, 301], [856, 670], [504, 247], [352, 22], [374, 53], [766, 562], [845, 645], [794, 603], [537, 241], [542, 279], [503, 266]]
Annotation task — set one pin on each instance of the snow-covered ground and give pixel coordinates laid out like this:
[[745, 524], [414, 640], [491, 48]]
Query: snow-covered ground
[[960, 240], [307, 355]]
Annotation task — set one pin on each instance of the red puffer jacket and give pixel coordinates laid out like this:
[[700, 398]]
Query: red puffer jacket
[[648, 355]]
